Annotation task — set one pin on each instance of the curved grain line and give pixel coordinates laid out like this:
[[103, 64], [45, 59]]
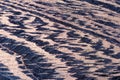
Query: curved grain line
[[111, 40]]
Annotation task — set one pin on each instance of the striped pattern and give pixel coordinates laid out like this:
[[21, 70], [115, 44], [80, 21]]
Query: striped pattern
[[61, 40]]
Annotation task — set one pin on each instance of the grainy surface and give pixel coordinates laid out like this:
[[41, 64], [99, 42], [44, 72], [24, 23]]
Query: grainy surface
[[59, 39]]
